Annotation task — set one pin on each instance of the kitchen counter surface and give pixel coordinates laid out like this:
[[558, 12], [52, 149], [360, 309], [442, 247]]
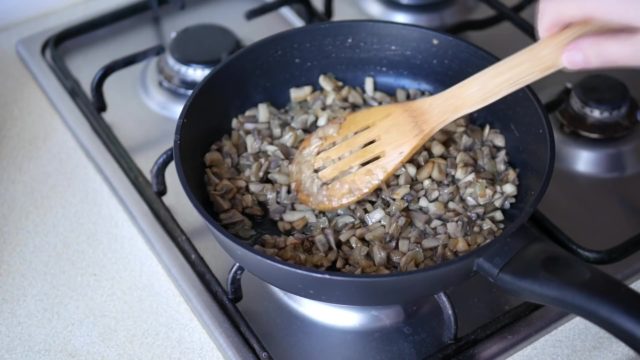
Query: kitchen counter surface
[[77, 279]]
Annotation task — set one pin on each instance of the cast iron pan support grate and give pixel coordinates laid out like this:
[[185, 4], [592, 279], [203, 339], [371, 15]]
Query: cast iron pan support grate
[[311, 14], [97, 84], [501, 15], [513, 16]]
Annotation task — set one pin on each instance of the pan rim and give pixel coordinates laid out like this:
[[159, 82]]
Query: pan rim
[[509, 230]]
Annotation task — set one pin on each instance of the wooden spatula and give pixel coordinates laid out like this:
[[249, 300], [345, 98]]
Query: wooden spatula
[[349, 158]]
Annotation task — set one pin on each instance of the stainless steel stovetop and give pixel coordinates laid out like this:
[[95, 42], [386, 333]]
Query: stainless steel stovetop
[[593, 195]]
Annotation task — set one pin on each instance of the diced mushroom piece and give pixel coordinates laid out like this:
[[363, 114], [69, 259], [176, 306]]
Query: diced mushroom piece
[[437, 149], [462, 172], [375, 235], [263, 113], [408, 261], [400, 191], [322, 243], [294, 215], [461, 245], [252, 144], [430, 243], [401, 95], [300, 223], [433, 194], [454, 229], [435, 223], [509, 189], [298, 94], [425, 171], [496, 215], [464, 158], [455, 206], [284, 226], [322, 120], [355, 98], [327, 83], [369, 86], [341, 221], [466, 142], [411, 169], [379, 254], [255, 211], [496, 139], [374, 216], [436, 209], [404, 180], [231, 216], [220, 204], [403, 245], [214, 158], [381, 97], [419, 219], [279, 178], [439, 172]]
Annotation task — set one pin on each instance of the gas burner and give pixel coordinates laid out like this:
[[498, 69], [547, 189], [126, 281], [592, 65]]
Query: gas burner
[[599, 107], [346, 330], [437, 14], [193, 52], [597, 128]]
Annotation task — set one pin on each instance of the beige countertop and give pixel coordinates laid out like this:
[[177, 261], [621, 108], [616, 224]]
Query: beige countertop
[[77, 279]]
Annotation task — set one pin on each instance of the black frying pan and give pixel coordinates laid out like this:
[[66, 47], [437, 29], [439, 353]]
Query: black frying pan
[[404, 56]]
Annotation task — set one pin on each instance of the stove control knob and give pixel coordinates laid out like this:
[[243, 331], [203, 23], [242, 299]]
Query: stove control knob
[[193, 52], [599, 106]]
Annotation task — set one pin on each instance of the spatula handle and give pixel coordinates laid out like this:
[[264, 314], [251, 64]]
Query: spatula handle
[[516, 71]]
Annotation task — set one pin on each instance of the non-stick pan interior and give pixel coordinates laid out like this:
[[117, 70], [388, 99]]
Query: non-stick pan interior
[[396, 55]]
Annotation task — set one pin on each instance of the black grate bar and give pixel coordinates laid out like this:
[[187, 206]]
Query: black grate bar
[[311, 13], [480, 24], [158, 182], [267, 8], [517, 20], [328, 9], [234, 283], [600, 257], [461, 345], [97, 84], [450, 317]]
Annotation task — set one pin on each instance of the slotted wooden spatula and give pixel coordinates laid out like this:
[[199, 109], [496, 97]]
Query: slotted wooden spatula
[[348, 158]]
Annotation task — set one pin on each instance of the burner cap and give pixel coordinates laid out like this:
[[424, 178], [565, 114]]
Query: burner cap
[[204, 44], [602, 96], [599, 106], [193, 52]]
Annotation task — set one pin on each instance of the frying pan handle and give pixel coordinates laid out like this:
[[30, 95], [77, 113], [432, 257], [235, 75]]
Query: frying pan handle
[[542, 272]]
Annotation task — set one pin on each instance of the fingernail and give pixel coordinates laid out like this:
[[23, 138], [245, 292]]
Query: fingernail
[[573, 59]]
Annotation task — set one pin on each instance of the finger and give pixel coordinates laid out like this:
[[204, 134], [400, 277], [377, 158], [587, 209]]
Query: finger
[[554, 15], [605, 50]]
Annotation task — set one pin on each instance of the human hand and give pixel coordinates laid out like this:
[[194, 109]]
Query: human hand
[[620, 49]]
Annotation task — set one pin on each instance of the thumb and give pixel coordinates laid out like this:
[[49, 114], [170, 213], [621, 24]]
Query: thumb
[[603, 50]]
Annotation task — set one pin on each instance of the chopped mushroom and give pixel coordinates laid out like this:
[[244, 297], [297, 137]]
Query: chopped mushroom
[[447, 200]]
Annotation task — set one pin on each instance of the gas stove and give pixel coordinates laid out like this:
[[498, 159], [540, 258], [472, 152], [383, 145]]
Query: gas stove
[[120, 79]]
